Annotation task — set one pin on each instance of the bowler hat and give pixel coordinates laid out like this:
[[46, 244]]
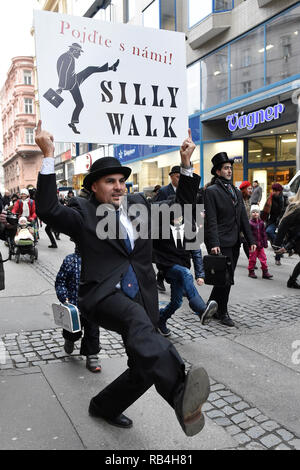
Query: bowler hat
[[77, 46], [174, 169], [218, 160], [104, 166]]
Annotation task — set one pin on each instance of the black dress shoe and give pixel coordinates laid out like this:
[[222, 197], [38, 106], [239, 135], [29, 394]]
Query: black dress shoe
[[226, 320], [52, 246], [189, 401], [73, 127], [293, 283], [120, 421]]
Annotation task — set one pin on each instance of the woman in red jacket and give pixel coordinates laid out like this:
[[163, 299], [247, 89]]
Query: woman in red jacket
[[261, 242], [25, 206]]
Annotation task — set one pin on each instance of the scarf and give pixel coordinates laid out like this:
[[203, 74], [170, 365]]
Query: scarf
[[25, 208]]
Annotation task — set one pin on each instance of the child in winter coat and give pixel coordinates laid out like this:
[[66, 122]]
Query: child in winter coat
[[261, 241]]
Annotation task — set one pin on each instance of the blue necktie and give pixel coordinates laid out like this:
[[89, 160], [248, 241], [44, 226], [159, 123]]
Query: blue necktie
[[129, 282]]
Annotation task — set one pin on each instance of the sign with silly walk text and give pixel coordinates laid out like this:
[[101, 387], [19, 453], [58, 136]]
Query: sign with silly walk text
[[110, 83]]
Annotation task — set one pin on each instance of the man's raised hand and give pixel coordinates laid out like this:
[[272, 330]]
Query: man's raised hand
[[44, 140], [186, 150]]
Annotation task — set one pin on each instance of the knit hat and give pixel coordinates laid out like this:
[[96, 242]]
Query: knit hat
[[245, 184], [277, 187], [255, 208], [24, 191]]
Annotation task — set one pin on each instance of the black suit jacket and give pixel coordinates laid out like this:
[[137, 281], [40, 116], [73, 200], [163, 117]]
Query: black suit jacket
[[104, 262], [165, 193], [223, 220]]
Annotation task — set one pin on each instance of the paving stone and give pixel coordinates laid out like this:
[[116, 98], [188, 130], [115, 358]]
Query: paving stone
[[282, 447], [19, 359], [228, 410], [295, 443], [247, 424], [232, 399], [233, 430], [213, 397], [223, 421], [242, 438], [270, 441], [220, 403], [255, 432], [286, 435], [260, 418], [241, 406], [270, 425], [217, 387], [255, 446], [239, 418]]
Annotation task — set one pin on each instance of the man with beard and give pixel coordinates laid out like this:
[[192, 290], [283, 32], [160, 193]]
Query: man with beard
[[225, 219]]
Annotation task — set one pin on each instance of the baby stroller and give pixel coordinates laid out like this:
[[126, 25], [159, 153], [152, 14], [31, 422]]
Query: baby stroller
[[25, 241], [10, 232]]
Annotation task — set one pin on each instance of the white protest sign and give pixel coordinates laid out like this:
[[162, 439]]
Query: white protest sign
[[110, 83]]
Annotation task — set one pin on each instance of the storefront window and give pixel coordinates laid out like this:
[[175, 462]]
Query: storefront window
[[262, 149], [193, 84], [215, 78], [131, 9], [151, 15], [287, 147], [267, 176], [247, 63], [283, 46]]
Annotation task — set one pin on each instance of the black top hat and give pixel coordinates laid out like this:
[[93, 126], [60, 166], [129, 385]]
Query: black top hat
[[104, 166], [174, 169], [75, 45], [218, 160]]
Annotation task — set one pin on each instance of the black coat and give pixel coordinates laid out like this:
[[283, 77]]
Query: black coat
[[224, 220], [289, 229], [165, 193], [104, 262]]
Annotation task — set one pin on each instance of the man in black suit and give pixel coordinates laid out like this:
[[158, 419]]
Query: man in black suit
[[165, 193], [117, 288], [225, 218], [69, 80]]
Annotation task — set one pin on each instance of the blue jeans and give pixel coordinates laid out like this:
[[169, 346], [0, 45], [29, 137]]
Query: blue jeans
[[182, 283]]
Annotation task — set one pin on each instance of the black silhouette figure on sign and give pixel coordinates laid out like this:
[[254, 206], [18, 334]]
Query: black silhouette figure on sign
[[69, 80]]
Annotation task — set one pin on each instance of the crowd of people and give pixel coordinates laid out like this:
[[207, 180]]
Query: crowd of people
[[122, 296]]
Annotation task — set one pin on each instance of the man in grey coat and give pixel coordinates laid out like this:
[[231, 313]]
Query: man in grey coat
[[256, 194]]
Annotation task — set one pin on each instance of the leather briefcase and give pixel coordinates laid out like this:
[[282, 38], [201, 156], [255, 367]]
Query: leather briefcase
[[53, 97], [217, 270]]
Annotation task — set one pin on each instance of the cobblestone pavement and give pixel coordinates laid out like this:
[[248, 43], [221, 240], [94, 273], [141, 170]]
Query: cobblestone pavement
[[247, 424]]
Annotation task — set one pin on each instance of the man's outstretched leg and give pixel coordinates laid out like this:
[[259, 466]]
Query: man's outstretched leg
[[152, 360]]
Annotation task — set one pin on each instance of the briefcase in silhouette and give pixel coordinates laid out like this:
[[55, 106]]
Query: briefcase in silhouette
[[53, 97]]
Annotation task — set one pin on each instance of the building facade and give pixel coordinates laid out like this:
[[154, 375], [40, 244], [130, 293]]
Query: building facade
[[21, 156]]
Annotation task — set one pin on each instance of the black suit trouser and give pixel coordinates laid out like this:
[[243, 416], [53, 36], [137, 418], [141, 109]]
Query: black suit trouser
[[221, 293], [152, 359]]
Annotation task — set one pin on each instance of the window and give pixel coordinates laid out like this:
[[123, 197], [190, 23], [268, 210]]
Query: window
[[193, 84], [167, 14], [131, 9], [105, 14], [283, 46], [28, 106], [247, 56], [151, 15], [29, 136], [27, 77], [287, 147], [222, 5], [247, 87], [262, 149], [197, 14], [83, 148], [215, 78]]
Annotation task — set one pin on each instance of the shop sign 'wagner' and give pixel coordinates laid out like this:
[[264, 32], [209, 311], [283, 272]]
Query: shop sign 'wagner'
[[251, 120]]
